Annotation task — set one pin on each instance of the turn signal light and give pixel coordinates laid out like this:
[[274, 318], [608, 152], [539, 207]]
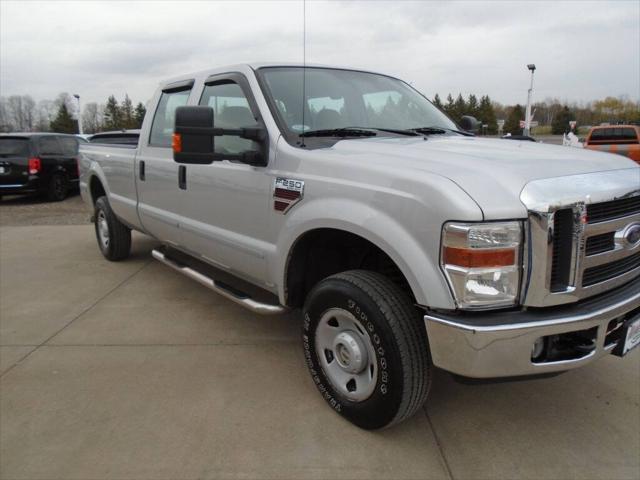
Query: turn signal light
[[176, 143], [479, 258], [34, 166]]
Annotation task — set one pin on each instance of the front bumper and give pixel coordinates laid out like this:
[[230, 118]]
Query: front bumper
[[499, 344]]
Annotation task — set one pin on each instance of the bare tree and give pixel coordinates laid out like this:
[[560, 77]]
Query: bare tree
[[45, 112], [29, 112], [92, 117], [5, 120]]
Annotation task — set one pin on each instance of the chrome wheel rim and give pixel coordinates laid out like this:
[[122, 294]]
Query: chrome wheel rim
[[346, 354], [103, 230]]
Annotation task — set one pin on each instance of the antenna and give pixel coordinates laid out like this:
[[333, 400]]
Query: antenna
[[304, 64]]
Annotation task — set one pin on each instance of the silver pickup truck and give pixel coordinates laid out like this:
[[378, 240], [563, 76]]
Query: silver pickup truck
[[407, 242]]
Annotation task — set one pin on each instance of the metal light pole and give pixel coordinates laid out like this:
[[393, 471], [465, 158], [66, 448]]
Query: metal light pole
[[527, 114], [79, 114]]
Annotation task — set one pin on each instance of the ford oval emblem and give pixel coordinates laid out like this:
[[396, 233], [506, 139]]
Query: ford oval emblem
[[632, 235]]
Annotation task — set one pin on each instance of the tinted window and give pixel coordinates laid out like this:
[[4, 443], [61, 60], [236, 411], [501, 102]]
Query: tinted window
[[14, 146], [116, 139], [49, 146], [69, 146], [230, 110], [614, 134], [164, 119]]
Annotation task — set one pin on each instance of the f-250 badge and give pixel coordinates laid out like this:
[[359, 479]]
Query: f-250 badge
[[286, 193]]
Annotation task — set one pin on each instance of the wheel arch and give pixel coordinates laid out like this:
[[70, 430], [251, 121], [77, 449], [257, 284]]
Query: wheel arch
[[380, 233]]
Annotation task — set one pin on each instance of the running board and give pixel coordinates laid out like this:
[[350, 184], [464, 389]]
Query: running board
[[220, 289]]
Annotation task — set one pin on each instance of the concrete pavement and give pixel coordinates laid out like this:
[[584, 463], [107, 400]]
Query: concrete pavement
[[129, 370]]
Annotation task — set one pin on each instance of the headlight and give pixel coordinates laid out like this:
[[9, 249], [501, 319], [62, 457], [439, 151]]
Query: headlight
[[482, 263]]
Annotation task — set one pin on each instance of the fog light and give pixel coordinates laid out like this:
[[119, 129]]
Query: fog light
[[538, 347]]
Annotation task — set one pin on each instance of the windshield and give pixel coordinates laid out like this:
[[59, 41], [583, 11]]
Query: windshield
[[344, 98]]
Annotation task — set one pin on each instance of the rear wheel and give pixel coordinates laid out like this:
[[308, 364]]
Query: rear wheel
[[366, 348], [114, 238], [58, 187]]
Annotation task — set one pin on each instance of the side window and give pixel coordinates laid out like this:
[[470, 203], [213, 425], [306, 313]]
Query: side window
[[230, 110], [164, 119], [49, 146], [69, 146]]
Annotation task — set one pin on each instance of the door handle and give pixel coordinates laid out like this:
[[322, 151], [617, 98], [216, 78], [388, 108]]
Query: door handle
[[182, 177], [141, 170]]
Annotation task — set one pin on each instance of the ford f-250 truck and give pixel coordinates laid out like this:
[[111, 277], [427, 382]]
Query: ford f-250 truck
[[407, 242]]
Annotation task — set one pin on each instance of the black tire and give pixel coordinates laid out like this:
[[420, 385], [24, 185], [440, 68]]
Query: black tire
[[58, 187], [398, 336], [118, 241]]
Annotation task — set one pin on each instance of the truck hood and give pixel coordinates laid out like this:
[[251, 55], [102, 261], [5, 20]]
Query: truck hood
[[492, 171]]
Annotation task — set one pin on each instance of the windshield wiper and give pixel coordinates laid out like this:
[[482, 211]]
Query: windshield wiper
[[340, 132], [439, 130], [357, 131]]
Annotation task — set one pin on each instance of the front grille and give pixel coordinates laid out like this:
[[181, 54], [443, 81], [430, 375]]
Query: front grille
[[562, 244], [605, 272], [603, 211], [600, 243]]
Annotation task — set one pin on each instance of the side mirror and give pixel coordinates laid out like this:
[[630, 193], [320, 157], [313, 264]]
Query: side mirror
[[194, 134], [469, 124]]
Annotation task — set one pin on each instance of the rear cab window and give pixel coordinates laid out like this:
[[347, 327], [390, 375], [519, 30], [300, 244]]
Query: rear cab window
[[116, 139], [14, 147], [173, 96], [613, 135]]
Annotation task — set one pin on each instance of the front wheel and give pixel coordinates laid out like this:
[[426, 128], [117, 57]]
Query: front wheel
[[114, 238], [366, 348]]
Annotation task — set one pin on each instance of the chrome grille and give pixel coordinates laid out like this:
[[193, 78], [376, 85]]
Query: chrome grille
[[611, 270], [600, 212], [600, 243], [577, 243]]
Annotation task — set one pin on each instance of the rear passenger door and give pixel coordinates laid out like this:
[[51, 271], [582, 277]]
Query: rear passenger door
[[157, 177]]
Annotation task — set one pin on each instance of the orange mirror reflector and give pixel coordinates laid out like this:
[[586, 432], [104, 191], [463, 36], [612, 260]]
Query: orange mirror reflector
[[176, 143]]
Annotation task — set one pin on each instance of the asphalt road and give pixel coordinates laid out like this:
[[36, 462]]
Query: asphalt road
[[130, 371]]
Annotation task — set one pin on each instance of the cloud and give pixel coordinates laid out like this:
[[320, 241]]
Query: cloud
[[583, 50]]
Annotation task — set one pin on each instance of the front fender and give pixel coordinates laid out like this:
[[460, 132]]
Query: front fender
[[414, 258]]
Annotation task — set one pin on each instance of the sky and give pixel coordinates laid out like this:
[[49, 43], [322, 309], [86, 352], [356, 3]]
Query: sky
[[583, 50]]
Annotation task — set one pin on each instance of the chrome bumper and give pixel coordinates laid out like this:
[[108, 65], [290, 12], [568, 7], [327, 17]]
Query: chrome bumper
[[499, 344]]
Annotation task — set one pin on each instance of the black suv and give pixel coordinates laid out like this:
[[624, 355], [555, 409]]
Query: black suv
[[41, 163]]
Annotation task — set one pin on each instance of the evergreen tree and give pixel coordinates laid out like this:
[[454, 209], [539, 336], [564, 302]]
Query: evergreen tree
[[473, 108], [64, 122], [487, 115], [138, 114], [459, 109], [561, 121], [512, 124], [437, 102], [126, 113], [112, 115], [448, 108]]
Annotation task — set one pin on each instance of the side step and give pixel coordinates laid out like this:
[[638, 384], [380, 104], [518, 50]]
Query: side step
[[218, 287]]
